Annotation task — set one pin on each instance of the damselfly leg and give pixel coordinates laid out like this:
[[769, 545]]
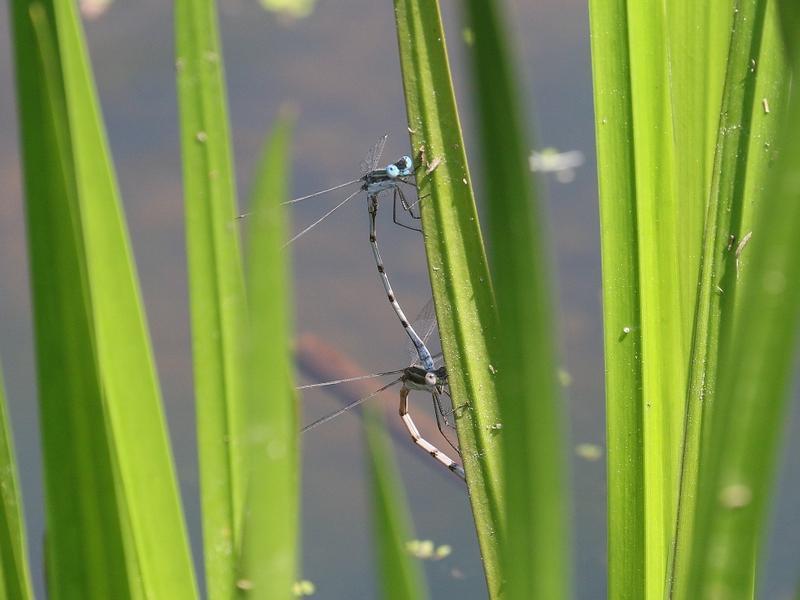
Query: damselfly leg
[[412, 378], [398, 195]]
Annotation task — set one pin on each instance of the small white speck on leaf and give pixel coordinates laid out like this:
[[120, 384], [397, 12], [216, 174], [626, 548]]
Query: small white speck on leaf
[[736, 495], [432, 166]]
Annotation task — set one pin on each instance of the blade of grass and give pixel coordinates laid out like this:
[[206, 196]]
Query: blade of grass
[[717, 273], [84, 549], [738, 469], [621, 299], [718, 21], [16, 578], [768, 116], [536, 543], [269, 535], [133, 405], [456, 264], [401, 577], [696, 29], [664, 349], [103, 430], [216, 286]]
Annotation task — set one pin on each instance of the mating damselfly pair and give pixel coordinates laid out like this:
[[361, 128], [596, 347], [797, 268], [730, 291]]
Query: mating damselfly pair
[[424, 373]]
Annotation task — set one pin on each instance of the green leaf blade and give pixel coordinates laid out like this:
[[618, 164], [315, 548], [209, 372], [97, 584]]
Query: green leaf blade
[[737, 472], [401, 577], [271, 518], [717, 283], [122, 343], [536, 544], [75, 448], [216, 282], [104, 433], [456, 264], [15, 581], [663, 316], [621, 299]]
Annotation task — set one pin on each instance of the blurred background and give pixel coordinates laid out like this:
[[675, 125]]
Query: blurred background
[[339, 67]]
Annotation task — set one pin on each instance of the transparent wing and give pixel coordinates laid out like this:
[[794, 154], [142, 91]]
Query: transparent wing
[[425, 325], [370, 162], [353, 404], [348, 379], [322, 218], [427, 320], [244, 215]]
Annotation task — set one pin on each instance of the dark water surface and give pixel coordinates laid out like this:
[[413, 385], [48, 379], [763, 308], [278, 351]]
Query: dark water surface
[[340, 69]]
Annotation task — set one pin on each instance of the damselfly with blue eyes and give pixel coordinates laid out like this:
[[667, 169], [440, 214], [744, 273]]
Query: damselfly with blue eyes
[[373, 181], [414, 377]]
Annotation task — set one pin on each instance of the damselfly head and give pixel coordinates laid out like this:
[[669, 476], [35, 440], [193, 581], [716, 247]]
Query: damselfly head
[[405, 165], [419, 378], [392, 171]]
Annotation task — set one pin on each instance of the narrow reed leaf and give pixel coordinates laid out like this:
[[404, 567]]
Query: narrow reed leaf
[[768, 117], [536, 543], [790, 25], [737, 469], [132, 396], [84, 551], [716, 29], [716, 286], [15, 581], [456, 264], [269, 553], [400, 575], [216, 286], [621, 298], [696, 29], [664, 351], [111, 533]]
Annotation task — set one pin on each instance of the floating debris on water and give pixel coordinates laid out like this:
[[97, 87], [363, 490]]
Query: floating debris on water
[[293, 9], [590, 452], [304, 587], [562, 164], [427, 550]]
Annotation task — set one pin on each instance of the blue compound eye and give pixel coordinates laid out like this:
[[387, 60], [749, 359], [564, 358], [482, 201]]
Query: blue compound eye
[[392, 171], [408, 165]]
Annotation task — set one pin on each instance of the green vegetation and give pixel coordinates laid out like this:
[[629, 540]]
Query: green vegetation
[[465, 305], [678, 302], [400, 577], [698, 139], [216, 287]]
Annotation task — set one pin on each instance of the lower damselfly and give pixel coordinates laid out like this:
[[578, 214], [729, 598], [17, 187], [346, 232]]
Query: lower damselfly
[[415, 377]]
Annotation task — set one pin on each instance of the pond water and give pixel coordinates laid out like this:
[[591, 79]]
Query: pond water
[[339, 68]]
